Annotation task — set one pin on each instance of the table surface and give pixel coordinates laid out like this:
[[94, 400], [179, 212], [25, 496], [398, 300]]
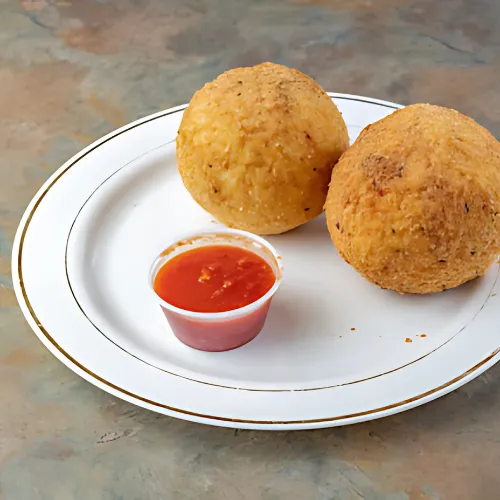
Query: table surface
[[70, 71]]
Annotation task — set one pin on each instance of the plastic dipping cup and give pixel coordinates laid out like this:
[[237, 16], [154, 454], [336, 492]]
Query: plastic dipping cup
[[221, 331]]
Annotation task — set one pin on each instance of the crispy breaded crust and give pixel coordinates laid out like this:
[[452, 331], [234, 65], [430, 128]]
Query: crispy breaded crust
[[414, 204], [256, 148]]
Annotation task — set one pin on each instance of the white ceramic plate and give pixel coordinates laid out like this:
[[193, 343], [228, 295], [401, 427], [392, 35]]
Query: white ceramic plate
[[335, 350]]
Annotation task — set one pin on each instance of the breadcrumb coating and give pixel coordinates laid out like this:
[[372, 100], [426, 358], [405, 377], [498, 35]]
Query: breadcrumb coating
[[256, 148], [414, 204]]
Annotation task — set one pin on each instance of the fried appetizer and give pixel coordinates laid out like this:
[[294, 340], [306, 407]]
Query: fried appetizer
[[256, 148], [414, 204]]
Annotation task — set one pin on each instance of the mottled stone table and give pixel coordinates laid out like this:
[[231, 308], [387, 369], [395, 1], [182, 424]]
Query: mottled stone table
[[73, 70]]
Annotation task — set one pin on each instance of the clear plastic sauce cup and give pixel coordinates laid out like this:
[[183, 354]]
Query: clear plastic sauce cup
[[219, 331]]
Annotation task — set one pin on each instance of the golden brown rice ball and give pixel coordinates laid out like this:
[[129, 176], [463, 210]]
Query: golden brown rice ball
[[414, 204], [256, 148]]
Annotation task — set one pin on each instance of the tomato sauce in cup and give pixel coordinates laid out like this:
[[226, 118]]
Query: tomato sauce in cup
[[215, 278], [216, 288]]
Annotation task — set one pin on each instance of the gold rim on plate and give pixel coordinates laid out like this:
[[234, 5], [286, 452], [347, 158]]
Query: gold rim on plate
[[125, 392]]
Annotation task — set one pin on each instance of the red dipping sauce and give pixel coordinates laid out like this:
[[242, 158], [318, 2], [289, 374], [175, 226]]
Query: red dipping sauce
[[214, 279], [216, 296]]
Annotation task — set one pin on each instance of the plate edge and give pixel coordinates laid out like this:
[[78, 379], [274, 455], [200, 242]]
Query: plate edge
[[93, 378]]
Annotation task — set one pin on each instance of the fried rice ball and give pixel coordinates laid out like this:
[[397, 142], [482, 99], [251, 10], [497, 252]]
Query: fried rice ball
[[256, 148], [414, 204]]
